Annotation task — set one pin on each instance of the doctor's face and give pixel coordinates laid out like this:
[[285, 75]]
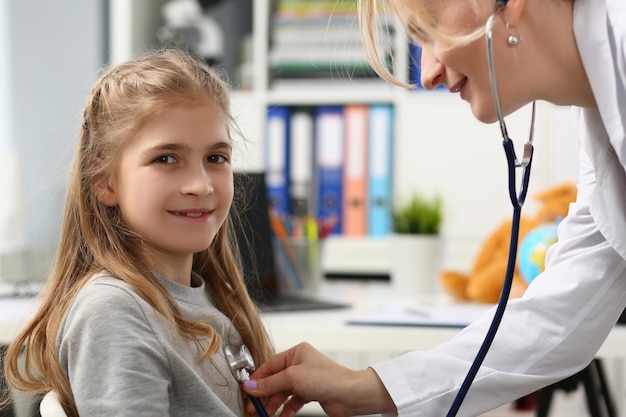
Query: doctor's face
[[463, 69]]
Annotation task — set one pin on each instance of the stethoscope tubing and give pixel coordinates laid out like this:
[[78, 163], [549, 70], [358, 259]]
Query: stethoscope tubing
[[517, 201], [259, 407], [508, 281]]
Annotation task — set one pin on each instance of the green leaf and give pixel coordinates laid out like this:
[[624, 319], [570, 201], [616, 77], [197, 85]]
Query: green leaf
[[418, 215]]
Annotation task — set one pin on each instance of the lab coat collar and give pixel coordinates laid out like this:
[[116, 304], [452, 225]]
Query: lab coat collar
[[601, 49]]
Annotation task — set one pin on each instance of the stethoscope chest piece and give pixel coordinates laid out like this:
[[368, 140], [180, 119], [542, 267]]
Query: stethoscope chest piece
[[240, 362]]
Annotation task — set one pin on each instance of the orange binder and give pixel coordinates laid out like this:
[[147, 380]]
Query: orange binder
[[355, 170]]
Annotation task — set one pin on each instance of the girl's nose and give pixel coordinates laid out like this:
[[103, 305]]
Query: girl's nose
[[197, 182], [432, 70]]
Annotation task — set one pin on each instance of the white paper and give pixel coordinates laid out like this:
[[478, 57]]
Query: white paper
[[413, 314]]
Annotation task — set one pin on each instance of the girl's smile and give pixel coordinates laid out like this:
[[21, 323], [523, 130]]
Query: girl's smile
[[200, 215]]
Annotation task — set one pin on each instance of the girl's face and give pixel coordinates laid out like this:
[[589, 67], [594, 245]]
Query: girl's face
[[174, 183], [464, 69]]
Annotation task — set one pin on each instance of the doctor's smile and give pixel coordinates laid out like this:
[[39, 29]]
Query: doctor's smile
[[458, 86]]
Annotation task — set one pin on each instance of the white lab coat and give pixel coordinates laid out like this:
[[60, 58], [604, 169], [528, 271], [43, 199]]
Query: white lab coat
[[567, 312]]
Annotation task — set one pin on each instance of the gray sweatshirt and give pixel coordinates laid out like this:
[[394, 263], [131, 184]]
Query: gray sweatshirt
[[123, 359]]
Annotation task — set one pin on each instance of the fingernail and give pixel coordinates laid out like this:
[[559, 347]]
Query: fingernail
[[251, 384]]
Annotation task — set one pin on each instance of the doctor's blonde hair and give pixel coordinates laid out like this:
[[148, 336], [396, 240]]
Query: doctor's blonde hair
[[93, 235], [419, 19]]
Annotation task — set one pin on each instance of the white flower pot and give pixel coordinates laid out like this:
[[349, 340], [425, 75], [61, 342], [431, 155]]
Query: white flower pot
[[415, 264]]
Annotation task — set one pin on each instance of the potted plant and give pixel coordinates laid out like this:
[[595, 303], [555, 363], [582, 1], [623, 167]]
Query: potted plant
[[418, 216], [416, 245]]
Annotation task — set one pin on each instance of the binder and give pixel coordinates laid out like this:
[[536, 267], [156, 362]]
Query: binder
[[355, 171], [277, 158], [301, 163], [329, 142], [380, 174]]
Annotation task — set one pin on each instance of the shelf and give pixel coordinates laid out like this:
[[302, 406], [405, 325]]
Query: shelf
[[324, 92], [328, 92]]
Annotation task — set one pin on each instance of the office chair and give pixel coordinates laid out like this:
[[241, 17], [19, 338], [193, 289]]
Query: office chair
[[50, 406], [599, 399]]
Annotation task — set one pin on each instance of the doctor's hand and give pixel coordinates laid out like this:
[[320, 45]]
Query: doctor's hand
[[303, 374]]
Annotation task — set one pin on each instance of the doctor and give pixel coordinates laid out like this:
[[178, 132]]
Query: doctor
[[567, 52]]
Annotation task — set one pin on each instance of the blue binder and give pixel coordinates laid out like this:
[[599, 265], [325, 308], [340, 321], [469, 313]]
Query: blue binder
[[329, 157], [380, 169], [277, 158]]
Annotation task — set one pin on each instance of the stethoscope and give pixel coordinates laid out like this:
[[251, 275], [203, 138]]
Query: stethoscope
[[241, 363], [517, 200]]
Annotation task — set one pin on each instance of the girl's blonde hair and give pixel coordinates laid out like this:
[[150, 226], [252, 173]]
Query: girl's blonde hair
[[93, 235], [419, 19]]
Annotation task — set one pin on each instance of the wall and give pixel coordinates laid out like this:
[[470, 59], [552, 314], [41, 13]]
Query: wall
[[442, 148], [49, 55], [135, 27]]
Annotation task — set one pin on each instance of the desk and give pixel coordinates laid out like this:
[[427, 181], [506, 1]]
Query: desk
[[356, 346], [330, 331], [327, 330]]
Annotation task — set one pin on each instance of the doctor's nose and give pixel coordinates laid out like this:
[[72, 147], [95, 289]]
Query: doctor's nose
[[432, 70], [197, 182]]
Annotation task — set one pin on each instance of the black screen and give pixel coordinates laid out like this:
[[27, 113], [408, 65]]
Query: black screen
[[254, 235]]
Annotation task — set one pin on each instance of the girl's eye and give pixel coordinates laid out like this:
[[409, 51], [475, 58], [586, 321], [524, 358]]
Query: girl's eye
[[217, 159], [165, 159]]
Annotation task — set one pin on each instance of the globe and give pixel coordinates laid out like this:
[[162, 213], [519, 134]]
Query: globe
[[532, 251]]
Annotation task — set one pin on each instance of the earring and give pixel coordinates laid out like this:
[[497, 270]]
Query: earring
[[512, 40]]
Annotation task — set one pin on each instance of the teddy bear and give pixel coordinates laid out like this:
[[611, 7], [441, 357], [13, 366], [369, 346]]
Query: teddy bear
[[484, 282]]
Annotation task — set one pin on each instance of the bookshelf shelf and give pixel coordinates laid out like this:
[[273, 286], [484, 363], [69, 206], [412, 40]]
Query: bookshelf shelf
[[326, 94]]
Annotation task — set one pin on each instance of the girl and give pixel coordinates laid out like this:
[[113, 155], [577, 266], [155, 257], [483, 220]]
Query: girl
[[146, 285], [567, 52]]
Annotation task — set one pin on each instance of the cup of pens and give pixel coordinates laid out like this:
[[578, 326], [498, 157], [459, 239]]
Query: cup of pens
[[298, 264], [298, 244]]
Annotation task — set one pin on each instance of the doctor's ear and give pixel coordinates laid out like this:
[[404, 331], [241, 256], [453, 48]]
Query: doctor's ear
[[513, 11]]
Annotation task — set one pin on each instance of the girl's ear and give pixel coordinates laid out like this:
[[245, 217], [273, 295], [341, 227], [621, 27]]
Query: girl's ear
[[513, 12], [105, 190]]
